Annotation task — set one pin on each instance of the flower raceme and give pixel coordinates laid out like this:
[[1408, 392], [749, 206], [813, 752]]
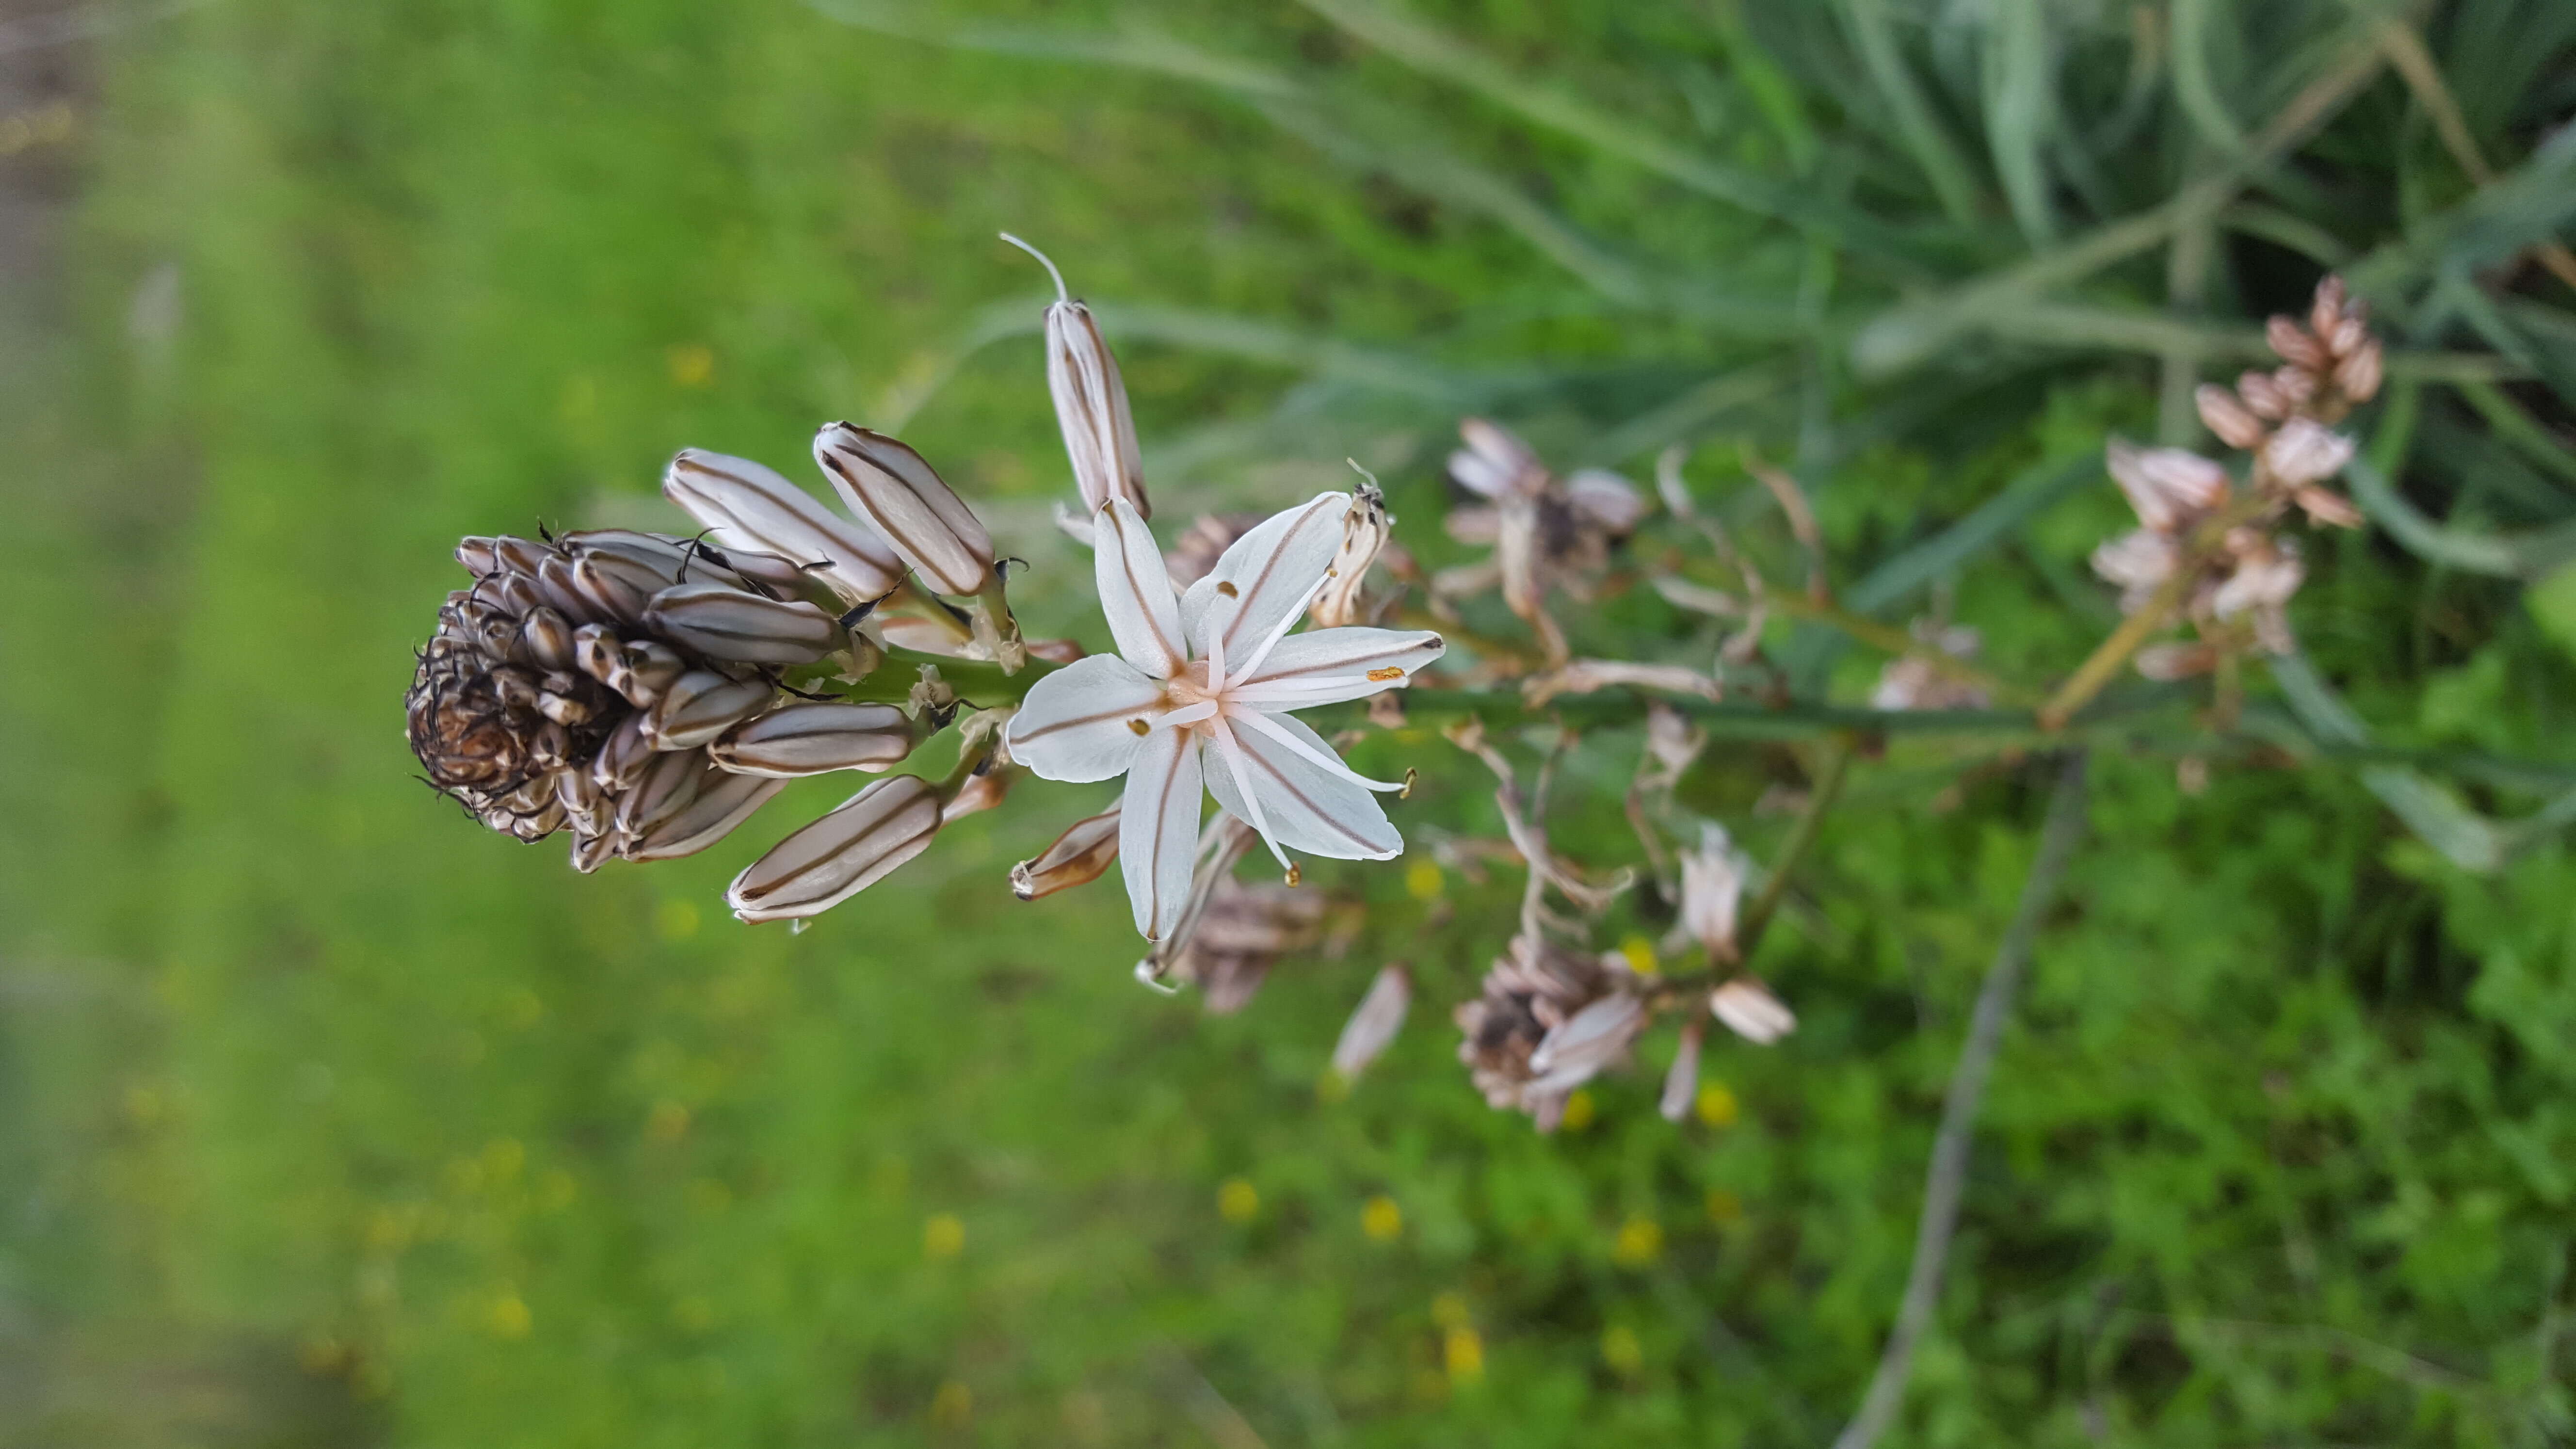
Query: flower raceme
[[1199, 697]]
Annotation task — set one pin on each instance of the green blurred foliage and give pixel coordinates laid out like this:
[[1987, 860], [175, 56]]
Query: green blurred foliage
[[331, 1119]]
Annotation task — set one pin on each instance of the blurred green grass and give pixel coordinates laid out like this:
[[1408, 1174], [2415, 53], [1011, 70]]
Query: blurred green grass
[[344, 1122]]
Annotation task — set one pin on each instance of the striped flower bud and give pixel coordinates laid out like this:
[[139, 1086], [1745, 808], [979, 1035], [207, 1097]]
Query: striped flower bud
[[816, 739], [751, 509], [845, 852], [1090, 402], [668, 785], [727, 623], [723, 801], [890, 486], [701, 705], [1078, 857]]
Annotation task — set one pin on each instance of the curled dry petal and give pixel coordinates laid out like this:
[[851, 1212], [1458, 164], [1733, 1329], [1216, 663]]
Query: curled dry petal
[[1364, 531], [1080, 856], [1681, 1083], [1750, 1011], [722, 622], [751, 509], [1374, 1022], [1495, 463], [816, 739], [898, 493], [845, 852], [1606, 500], [1712, 888]]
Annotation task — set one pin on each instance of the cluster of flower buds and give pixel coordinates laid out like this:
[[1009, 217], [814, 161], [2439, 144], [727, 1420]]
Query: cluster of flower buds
[[2208, 549]]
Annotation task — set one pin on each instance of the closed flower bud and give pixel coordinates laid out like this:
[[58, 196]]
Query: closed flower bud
[[616, 588], [750, 509], [1078, 857], [2262, 396], [2225, 414], [845, 852], [726, 623], [890, 486], [549, 638], [1750, 1011], [645, 668], [667, 786], [815, 739], [477, 555], [1090, 402], [701, 705], [723, 801], [623, 758], [2295, 346], [2357, 375], [1374, 1022]]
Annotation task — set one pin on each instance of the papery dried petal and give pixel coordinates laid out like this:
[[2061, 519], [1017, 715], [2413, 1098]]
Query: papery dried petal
[[1712, 887], [1681, 1082], [1374, 1022], [2304, 452], [1606, 500], [1364, 531], [2165, 485], [2357, 375], [1748, 1009]]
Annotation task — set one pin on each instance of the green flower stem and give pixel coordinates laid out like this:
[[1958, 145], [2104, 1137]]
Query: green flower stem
[[2206, 543], [1793, 852]]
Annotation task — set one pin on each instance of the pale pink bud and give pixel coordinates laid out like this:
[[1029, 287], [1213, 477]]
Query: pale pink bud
[[2295, 346], [2226, 415], [1750, 1011]]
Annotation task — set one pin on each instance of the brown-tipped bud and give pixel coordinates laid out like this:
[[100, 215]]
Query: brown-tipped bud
[[1091, 410], [701, 705], [2295, 346], [477, 555], [1374, 1022], [2226, 415], [890, 486], [751, 509], [980, 793], [2357, 375], [1681, 1083], [816, 739], [722, 801], [1750, 1011], [726, 623], [836, 857], [623, 759], [521, 555], [1078, 857]]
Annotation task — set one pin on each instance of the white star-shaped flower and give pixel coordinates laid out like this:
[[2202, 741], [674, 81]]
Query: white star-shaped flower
[[1199, 693]]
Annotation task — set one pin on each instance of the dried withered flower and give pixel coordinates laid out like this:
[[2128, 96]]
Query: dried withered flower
[[558, 694], [1374, 1022], [1546, 534], [1712, 889], [1912, 681], [1364, 531], [1244, 928], [1080, 856], [1531, 999]]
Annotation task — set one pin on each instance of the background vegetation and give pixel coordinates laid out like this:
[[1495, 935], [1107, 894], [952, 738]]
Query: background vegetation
[[325, 1117]]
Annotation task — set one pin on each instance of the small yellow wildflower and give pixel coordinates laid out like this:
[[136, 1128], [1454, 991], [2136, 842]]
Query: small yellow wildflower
[[943, 1235], [1640, 1241], [1423, 880], [1716, 1105], [693, 364], [1462, 1352], [1621, 1350], [507, 1315], [1579, 1112], [1381, 1219], [1640, 953], [1238, 1201], [953, 1407]]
